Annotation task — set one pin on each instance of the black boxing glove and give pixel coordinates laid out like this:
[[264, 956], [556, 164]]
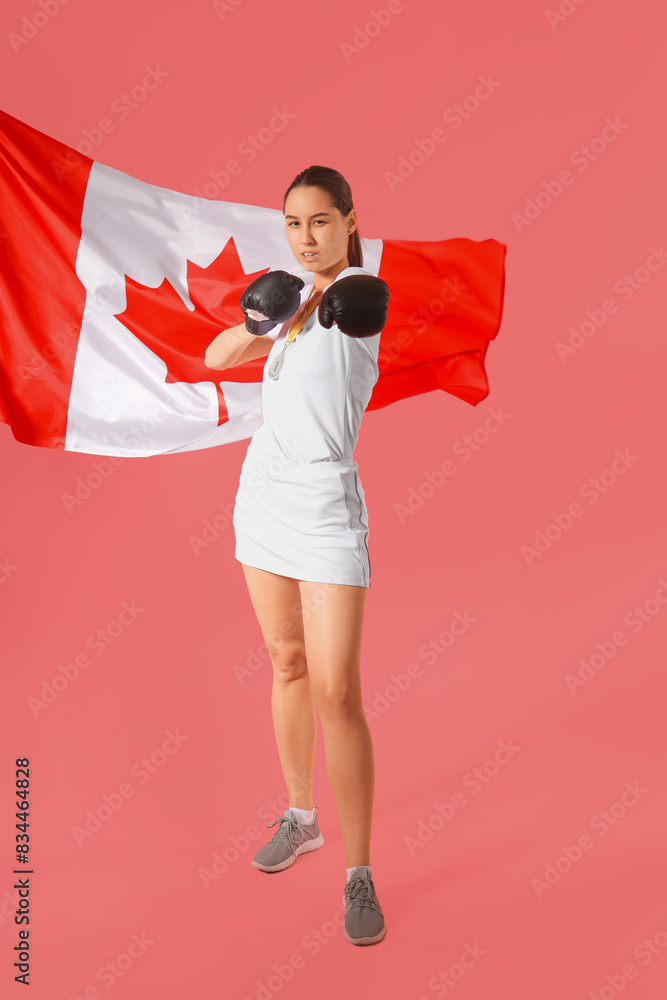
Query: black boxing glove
[[272, 298], [357, 304]]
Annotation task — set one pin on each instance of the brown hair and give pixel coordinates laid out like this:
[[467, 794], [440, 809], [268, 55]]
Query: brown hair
[[336, 186]]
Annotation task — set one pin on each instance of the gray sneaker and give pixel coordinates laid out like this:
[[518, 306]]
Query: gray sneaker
[[364, 920], [290, 839]]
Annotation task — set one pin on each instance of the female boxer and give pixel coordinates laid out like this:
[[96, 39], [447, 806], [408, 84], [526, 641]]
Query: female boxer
[[301, 522]]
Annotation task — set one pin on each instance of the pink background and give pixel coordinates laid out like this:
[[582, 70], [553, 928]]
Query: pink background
[[479, 882]]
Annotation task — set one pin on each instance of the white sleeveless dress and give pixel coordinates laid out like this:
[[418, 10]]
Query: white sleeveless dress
[[300, 509]]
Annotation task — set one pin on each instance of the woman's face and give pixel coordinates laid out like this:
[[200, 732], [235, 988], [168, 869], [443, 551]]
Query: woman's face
[[317, 231]]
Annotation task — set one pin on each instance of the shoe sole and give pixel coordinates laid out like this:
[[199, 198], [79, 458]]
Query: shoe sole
[[366, 940], [308, 845]]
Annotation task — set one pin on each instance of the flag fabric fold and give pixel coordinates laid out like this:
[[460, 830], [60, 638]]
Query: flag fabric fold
[[111, 289]]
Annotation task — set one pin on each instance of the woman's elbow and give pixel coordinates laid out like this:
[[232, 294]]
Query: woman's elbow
[[211, 361]]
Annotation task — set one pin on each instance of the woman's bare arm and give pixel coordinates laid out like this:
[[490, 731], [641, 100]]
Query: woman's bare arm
[[235, 346]]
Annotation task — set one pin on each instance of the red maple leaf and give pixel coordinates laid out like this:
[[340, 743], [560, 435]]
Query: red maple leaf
[[159, 318]]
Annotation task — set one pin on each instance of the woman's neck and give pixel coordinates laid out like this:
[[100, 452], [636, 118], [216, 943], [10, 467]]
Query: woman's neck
[[321, 280]]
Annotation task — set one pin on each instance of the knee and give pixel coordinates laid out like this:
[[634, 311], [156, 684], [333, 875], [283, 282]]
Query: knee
[[337, 702], [289, 663]]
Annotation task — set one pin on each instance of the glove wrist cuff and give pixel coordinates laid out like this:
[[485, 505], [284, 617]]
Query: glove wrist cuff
[[259, 327]]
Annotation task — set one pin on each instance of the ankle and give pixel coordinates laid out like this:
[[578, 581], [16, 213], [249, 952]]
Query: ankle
[[305, 816], [349, 872]]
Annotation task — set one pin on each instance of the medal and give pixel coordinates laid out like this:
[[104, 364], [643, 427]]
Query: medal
[[296, 327], [274, 370]]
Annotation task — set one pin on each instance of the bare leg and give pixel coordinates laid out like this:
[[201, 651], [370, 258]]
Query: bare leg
[[332, 633], [277, 603]]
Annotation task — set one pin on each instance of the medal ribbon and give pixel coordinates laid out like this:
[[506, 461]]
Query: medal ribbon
[[297, 325]]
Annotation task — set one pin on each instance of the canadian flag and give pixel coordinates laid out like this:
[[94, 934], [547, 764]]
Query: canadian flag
[[111, 289]]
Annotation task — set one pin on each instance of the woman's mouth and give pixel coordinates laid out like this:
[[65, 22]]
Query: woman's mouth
[[310, 255]]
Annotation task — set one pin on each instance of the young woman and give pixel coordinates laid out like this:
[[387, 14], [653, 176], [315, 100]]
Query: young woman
[[301, 522]]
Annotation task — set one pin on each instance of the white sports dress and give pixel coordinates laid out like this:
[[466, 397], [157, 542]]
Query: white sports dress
[[300, 509]]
